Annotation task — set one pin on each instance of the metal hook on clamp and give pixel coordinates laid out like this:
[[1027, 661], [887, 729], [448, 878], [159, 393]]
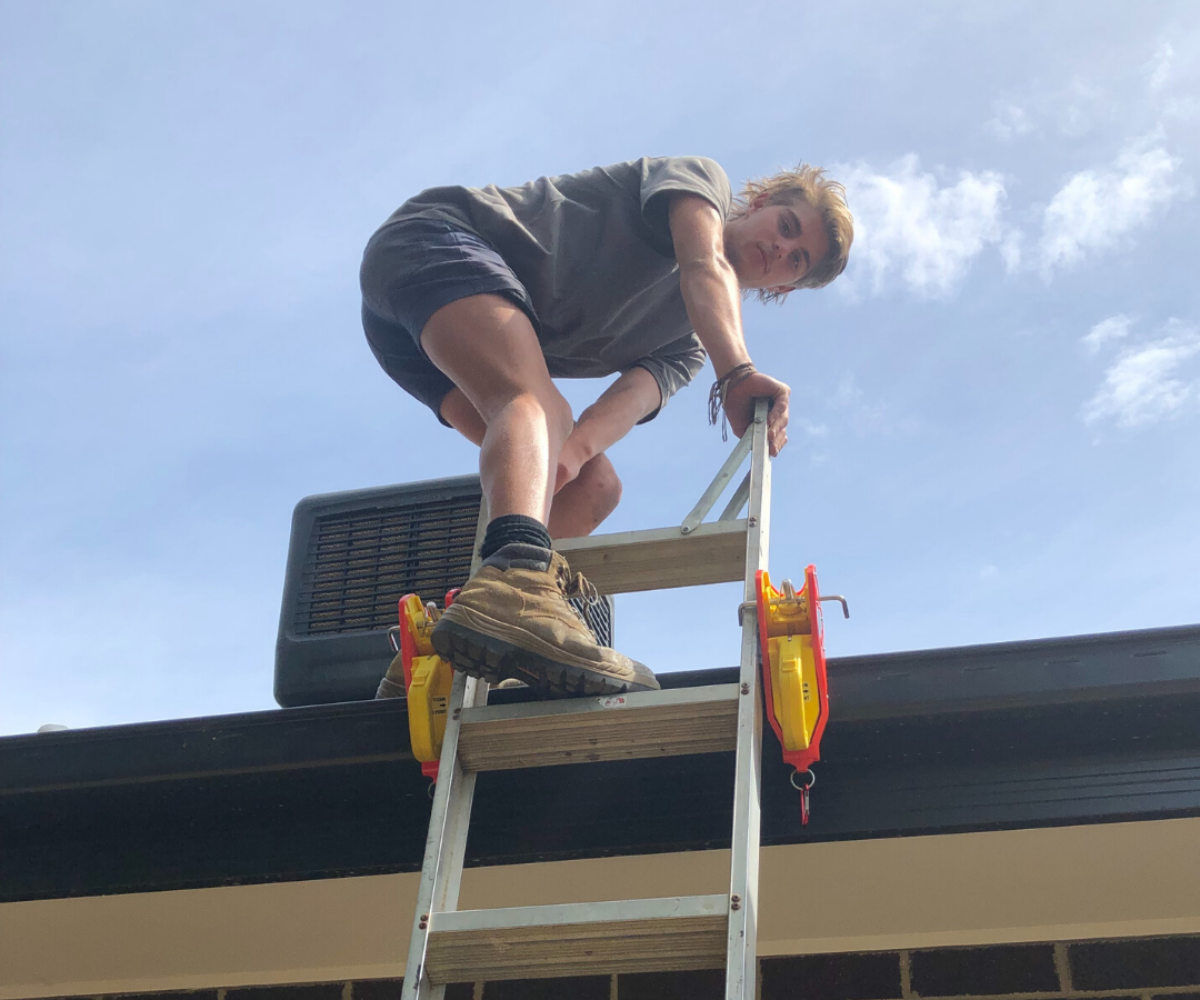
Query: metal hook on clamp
[[837, 597]]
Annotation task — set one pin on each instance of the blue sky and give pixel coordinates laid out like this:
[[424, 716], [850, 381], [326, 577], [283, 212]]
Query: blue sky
[[996, 411]]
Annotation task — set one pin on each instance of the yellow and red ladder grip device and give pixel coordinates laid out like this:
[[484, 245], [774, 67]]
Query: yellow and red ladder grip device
[[791, 640], [427, 680]]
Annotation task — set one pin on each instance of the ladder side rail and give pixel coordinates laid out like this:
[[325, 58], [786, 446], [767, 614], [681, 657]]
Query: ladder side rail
[[458, 811], [449, 822], [445, 844], [741, 953]]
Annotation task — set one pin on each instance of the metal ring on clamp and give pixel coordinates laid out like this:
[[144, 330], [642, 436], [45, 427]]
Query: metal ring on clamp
[[743, 608], [393, 635], [812, 780]]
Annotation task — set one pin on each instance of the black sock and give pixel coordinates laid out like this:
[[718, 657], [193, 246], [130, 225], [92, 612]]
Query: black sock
[[513, 528]]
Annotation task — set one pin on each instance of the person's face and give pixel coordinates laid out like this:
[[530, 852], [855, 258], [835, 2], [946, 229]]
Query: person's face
[[773, 246]]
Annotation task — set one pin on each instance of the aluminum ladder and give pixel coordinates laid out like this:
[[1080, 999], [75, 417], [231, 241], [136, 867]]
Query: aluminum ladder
[[637, 935]]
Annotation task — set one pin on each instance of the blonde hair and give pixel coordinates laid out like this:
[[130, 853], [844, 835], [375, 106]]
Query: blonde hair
[[827, 196]]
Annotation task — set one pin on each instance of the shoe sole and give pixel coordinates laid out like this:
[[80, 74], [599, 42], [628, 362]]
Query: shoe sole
[[390, 689], [493, 660]]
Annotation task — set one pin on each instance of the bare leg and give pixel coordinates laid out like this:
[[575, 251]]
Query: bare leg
[[512, 617], [580, 506], [489, 349]]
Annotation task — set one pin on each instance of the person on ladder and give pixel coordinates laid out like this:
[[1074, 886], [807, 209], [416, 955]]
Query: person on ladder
[[475, 298]]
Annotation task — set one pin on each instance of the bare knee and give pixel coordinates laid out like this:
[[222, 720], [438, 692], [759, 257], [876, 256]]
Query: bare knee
[[551, 407], [581, 505], [460, 413], [601, 485], [558, 415], [488, 348]]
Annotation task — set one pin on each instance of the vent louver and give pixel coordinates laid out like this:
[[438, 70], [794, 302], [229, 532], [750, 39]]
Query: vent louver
[[359, 563], [598, 613]]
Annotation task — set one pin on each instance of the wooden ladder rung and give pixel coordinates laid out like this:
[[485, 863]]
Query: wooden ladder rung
[[661, 558], [616, 727], [578, 939]]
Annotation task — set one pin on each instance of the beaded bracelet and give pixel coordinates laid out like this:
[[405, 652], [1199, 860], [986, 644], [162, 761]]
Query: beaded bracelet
[[720, 391]]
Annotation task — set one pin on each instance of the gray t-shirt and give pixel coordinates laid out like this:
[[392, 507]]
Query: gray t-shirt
[[594, 251]]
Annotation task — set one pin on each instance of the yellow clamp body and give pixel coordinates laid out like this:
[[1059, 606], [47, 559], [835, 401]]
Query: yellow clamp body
[[428, 696], [794, 689], [429, 679], [794, 692]]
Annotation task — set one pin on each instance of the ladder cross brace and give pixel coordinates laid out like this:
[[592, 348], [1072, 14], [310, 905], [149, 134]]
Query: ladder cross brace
[[643, 935], [617, 727]]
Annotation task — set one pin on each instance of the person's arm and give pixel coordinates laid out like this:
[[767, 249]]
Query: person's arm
[[713, 300], [634, 395]]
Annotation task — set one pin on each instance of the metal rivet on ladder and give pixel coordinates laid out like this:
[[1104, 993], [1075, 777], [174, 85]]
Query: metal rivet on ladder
[[745, 689], [735, 902]]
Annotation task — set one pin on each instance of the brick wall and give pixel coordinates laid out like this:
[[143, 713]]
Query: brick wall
[[1142, 968]]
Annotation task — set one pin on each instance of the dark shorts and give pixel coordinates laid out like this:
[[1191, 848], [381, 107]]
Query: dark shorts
[[409, 271]]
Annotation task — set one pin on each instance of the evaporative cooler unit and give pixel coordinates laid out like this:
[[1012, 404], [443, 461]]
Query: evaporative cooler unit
[[352, 556]]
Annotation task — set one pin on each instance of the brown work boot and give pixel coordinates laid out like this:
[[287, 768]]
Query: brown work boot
[[392, 685], [512, 619]]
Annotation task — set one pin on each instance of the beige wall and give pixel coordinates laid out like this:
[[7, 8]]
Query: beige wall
[[1112, 880]]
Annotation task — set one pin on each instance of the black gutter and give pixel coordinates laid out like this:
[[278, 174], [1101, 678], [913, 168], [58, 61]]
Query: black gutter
[[1050, 732]]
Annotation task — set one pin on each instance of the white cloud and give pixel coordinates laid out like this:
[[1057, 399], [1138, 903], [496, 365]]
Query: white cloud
[[811, 429], [1096, 209], [1072, 109], [1159, 67], [1181, 108], [1113, 328], [1077, 107], [868, 416], [910, 226], [848, 393], [1010, 249], [1008, 122], [1141, 387], [1171, 83]]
